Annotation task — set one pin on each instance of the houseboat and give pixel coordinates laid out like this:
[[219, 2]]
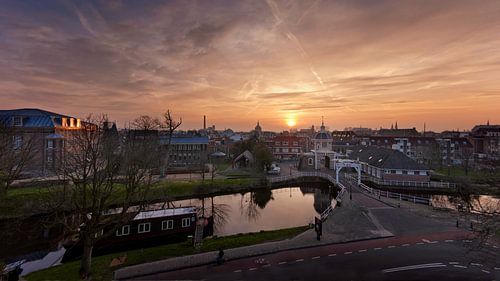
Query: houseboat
[[146, 229]]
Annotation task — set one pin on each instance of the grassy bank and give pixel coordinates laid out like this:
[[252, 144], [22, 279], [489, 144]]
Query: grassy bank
[[29, 200], [474, 176], [101, 269]]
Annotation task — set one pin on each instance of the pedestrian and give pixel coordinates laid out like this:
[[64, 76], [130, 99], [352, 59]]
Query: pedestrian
[[220, 257]]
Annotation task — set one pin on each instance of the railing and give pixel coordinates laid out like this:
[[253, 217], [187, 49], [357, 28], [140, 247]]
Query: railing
[[297, 175], [398, 196], [431, 184]]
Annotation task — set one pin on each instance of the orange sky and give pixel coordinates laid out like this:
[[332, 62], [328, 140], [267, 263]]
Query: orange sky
[[367, 63]]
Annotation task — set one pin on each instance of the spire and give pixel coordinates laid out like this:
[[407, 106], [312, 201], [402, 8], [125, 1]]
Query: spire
[[392, 126], [396, 125], [322, 123], [488, 123]]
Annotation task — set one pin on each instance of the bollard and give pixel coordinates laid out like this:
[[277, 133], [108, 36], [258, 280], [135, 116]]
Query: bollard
[[457, 223]]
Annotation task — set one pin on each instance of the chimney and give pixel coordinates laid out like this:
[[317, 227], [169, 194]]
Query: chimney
[[204, 122]]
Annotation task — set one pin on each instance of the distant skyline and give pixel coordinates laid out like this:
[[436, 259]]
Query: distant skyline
[[368, 63]]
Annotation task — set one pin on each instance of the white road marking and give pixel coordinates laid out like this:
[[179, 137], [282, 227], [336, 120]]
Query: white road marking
[[282, 262], [426, 241], [252, 269], [495, 246], [497, 268], [332, 255], [406, 245], [299, 260], [390, 247], [433, 242], [476, 264], [460, 266], [420, 243], [449, 241], [267, 265], [236, 271], [347, 253], [411, 267], [453, 262], [315, 258], [485, 271], [466, 241], [376, 249], [361, 251]]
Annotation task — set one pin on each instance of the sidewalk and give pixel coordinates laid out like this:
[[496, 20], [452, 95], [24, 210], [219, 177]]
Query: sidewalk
[[338, 228]]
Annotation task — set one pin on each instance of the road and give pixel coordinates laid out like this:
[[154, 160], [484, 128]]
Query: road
[[427, 257]]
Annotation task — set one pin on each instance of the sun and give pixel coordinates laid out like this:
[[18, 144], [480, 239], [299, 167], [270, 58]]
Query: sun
[[291, 122]]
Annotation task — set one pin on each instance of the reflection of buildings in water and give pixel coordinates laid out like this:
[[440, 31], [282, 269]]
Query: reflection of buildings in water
[[322, 200]]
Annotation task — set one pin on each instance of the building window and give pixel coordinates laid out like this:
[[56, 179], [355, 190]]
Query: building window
[[285, 143], [18, 142], [125, 230], [405, 172], [277, 143], [17, 121], [310, 161], [167, 225], [49, 159], [186, 222], [144, 227], [50, 143], [295, 143]]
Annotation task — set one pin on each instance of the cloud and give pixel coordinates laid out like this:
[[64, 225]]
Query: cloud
[[239, 61]]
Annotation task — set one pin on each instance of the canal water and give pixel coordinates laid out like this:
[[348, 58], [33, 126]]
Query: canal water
[[263, 209], [33, 241]]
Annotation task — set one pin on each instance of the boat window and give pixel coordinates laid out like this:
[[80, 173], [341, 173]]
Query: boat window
[[186, 222], [144, 227], [169, 224], [125, 230]]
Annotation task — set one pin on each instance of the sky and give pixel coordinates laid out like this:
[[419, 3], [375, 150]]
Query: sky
[[357, 63]]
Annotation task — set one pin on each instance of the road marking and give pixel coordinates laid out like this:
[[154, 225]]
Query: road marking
[[433, 242], [282, 262], [411, 267], [476, 264], [361, 251], [453, 262], [485, 271], [449, 241], [390, 247], [495, 246], [406, 245], [237, 271], [376, 249], [420, 243], [497, 268], [252, 269], [460, 266], [332, 255], [315, 258], [299, 260], [347, 253], [267, 265], [466, 241]]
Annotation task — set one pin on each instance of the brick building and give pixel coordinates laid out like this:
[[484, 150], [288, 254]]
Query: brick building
[[287, 146], [49, 132]]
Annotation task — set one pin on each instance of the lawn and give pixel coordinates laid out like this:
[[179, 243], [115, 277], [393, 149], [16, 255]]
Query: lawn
[[475, 176], [102, 271]]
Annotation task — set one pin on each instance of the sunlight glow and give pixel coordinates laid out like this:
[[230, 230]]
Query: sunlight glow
[[291, 122]]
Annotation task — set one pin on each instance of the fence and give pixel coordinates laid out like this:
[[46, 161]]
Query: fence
[[432, 184]]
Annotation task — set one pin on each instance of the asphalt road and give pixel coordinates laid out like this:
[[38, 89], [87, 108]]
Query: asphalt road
[[435, 257]]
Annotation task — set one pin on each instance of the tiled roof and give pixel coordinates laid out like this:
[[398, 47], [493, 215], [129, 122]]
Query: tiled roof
[[385, 158], [32, 117]]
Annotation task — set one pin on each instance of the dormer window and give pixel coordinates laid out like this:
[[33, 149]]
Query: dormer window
[[17, 121], [64, 122], [72, 122]]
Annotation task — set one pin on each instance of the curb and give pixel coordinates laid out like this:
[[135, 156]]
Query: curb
[[250, 256]]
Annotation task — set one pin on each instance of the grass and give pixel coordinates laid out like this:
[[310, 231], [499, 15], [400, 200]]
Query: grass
[[102, 271], [475, 176]]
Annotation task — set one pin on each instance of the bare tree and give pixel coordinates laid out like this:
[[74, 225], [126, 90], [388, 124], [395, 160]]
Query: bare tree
[[16, 151], [466, 157], [146, 123], [170, 125], [95, 162]]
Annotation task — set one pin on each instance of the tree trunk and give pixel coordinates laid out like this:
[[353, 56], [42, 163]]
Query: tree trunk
[[86, 262]]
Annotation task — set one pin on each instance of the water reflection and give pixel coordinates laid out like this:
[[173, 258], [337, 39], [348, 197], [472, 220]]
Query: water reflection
[[262, 209]]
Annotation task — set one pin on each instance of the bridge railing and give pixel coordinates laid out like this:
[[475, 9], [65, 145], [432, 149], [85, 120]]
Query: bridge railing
[[431, 184], [395, 195]]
